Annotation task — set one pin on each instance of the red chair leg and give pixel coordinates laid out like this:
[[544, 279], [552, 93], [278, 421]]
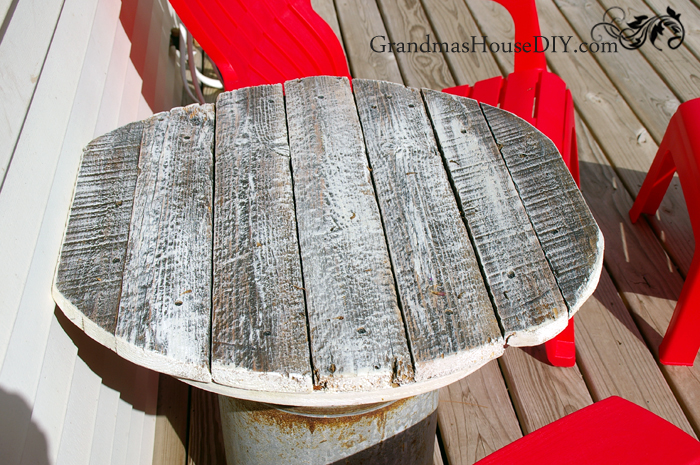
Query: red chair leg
[[561, 351], [679, 151], [656, 183], [682, 342]]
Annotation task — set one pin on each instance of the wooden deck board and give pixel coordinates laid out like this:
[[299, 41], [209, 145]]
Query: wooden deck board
[[476, 415], [405, 21], [647, 94]]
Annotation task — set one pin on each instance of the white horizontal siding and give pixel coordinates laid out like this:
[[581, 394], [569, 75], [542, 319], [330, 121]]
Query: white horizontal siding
[[66, 76]]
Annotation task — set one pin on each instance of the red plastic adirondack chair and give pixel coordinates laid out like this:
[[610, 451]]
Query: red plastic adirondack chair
[[265, 41], [531, 85], [612, 431], [679, 151], [272, 41]]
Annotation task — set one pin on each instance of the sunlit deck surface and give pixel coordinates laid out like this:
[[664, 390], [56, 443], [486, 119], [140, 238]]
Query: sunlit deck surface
[[624, 102]]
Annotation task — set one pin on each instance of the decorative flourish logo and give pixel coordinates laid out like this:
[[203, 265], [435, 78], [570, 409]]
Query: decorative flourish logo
[[635, 33]]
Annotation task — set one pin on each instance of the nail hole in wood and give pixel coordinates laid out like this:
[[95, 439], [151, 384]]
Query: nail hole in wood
[[178, 302], [332, 368], [410, 105], [361, 330], [266, 333], [511, 274]]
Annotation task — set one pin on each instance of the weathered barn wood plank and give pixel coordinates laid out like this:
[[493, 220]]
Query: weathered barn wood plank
[[569, 235], [450, 320], [361, 22], [259, 336], [453, 23], [475, 416], [165, 309], [358, 339], [89, 275], [630, 72], [527, 299], [645, 278], [406, 22]]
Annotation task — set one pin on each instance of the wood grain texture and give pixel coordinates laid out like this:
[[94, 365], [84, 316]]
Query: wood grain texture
[[450, 319], [358, 338], [475, 416], [361, 21], [453, 23], [89, 274], [541, 393], [206, 441], [570, 237], [406, 22], [528, 301], [165, 309], [259, 335], [629, 71]]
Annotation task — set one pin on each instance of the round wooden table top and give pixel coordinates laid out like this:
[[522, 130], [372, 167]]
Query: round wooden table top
[[325, 245]]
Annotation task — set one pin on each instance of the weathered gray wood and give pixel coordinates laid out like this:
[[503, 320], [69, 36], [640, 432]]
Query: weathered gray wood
[[89, 274], [570, 237], [523, 288], [358, 339], [450, 320], [259, 337], [165, 309]]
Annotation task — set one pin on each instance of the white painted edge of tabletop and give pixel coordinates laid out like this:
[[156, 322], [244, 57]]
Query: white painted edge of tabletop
[[319, 398], [322, 398]]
